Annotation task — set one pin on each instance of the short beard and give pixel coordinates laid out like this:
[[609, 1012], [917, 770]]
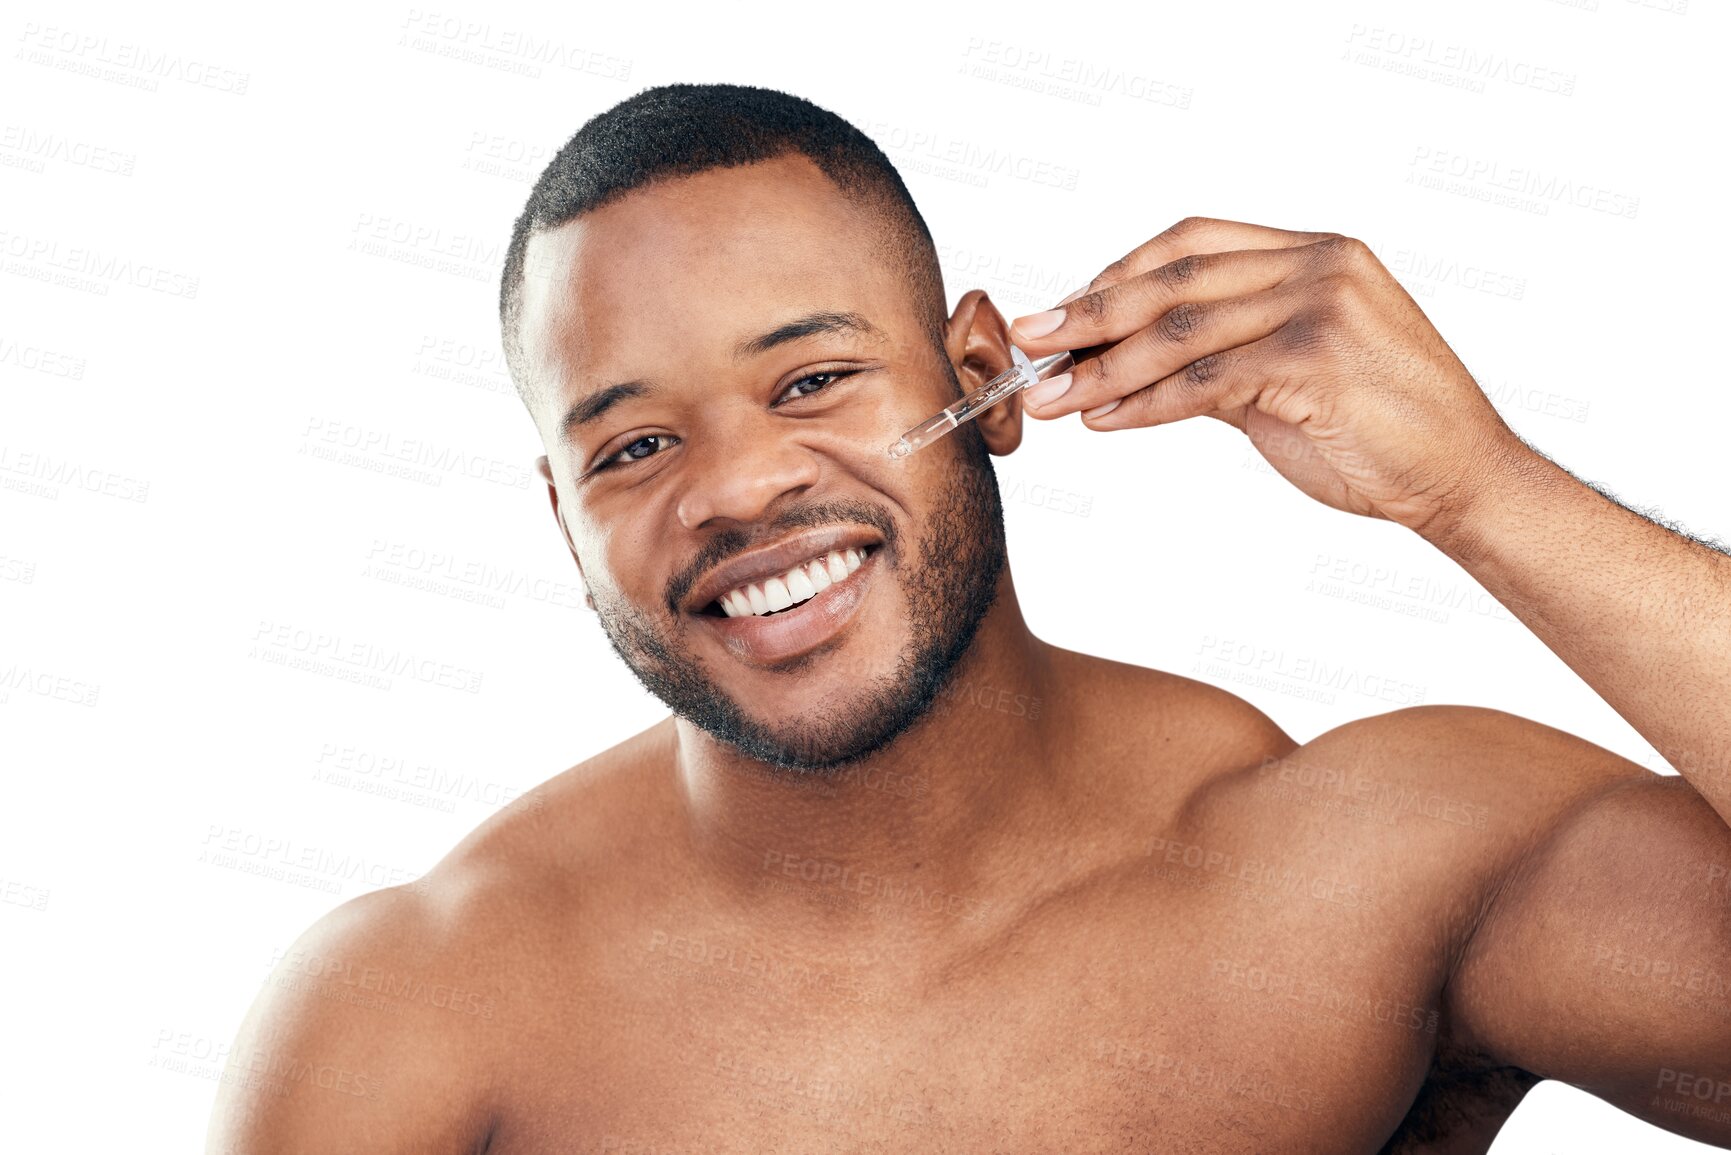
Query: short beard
[[952, 583]]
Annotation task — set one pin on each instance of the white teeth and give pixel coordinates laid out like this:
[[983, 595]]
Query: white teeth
[[795, 586]]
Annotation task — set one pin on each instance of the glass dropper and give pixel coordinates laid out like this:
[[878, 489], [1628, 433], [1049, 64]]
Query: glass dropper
[[1021, 374]]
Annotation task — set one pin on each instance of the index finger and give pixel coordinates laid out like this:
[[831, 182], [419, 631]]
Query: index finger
[[1190, 237], [1114, 312]]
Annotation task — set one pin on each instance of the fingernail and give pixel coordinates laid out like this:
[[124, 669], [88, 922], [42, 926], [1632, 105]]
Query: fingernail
[[1047, 391], [1038, 324], [1074, 295], [1100, 410]]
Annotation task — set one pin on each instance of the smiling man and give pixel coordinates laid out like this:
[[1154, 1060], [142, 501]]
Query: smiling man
[[818, 908]]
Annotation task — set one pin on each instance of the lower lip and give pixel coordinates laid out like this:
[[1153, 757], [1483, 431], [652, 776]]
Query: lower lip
[[790, 633]]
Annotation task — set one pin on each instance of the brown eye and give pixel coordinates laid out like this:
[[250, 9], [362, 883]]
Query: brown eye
[[646, 446], [825, 379]]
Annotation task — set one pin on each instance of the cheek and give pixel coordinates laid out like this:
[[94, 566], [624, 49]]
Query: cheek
[[862, 431], [615, 557]]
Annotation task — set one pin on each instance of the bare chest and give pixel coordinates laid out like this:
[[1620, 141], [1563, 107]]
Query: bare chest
[[1217, 1018]]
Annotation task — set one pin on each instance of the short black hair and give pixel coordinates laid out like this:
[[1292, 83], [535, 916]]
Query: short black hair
[[678, 130]]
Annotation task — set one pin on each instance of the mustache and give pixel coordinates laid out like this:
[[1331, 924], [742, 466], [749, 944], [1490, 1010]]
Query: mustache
[[730, 543]]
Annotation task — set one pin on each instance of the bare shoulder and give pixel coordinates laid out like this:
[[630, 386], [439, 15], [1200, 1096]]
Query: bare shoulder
[[1431, 809], [1154, 713], [1511, 777], [362, 1028], [391, 1014], [1472, 788], [577, 817], [1581, 900]]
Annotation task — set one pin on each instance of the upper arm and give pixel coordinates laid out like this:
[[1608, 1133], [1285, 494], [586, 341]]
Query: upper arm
[[356, 1042], [1603, 954]]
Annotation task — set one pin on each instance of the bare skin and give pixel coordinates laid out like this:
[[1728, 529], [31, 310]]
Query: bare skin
[[1080, 905]]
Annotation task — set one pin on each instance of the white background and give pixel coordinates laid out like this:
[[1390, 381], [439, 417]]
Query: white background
[[224, 243]]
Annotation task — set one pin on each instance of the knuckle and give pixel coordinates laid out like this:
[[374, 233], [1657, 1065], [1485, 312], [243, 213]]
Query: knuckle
[[1113, 367], [1203, 371], [1092, 308], [1086, 372], [1189, 225], [1093, 372], [1180, 322], [1338, 293], [1347, 252], [1357, 255], [1351, 293], [1174, 274], [1136, 408]]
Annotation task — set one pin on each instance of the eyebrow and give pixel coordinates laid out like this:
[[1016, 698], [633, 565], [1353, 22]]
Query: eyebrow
[[807, 326], [591, 407]]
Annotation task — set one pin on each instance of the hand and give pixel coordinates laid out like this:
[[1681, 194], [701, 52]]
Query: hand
[[1305, 343]]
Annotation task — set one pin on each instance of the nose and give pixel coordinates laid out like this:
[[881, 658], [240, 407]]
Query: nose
[[742, 472]]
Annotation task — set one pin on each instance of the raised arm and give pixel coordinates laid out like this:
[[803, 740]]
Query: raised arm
[[1310, 346], [1640, 612], [1602, 953]]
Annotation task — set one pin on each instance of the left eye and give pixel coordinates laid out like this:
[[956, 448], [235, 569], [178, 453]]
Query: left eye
[[824, 379]]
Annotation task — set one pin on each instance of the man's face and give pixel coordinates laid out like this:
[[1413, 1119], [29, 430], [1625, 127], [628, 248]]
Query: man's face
[[728, 463]]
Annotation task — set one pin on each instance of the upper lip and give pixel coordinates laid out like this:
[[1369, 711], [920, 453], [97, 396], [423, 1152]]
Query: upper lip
[[775, 560]]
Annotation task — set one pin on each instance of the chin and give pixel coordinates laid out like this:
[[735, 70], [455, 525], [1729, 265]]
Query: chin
[[837, 730]]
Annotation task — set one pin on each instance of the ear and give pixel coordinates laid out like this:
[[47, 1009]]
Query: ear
[[977, 339], [546, 472]]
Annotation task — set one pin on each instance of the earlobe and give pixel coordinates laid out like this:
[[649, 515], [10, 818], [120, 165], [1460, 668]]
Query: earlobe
[[977, 340]]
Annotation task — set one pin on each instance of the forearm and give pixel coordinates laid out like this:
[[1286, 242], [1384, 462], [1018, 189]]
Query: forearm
[[1642, 614]]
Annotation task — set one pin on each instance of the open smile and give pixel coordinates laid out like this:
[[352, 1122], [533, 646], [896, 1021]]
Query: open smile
[[795, 587], [795, 610]]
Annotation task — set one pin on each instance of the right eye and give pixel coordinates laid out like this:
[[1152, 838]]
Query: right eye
[[636, 450]]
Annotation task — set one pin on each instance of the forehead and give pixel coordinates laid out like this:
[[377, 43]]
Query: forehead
[[676, 273]]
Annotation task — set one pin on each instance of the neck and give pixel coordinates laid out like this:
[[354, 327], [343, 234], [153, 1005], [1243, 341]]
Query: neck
[[951, 791]]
